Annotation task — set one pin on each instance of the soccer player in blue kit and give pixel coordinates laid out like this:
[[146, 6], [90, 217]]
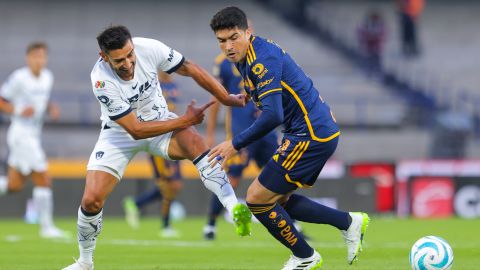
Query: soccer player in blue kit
[[236, 120], [286, 95]]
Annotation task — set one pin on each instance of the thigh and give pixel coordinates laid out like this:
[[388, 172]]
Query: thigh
[[257, 193], [16, 180], [99, 184], [296, 164], [41, 179], [113, 151], [186, 144]]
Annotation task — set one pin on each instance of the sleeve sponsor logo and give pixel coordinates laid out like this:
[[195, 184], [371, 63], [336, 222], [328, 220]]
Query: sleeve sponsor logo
[[105, 100], [170, 55], [115, 110], [259, 70], [99, 84], [264, 83]]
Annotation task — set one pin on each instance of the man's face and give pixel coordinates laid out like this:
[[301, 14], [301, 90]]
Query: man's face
[[37, 59], [122, 60], [234, 43]]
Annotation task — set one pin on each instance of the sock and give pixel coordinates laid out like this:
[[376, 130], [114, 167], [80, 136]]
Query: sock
[[89, 226], [43, 200], [166, 212], [3, 185], [215, 179], [302, 208], [215, 210], [280, 225], [147, 197]]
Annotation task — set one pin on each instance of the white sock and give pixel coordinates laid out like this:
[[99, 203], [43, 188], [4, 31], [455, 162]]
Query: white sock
[[3, 184], [43, 200], [89, 227], [215, 179]]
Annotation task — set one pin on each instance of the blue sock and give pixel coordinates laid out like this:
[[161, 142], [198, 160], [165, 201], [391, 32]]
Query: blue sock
[[216, 208], [279, 224], [147, 197], [302, 208]]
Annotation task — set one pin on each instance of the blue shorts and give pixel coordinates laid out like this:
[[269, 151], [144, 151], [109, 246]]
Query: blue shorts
[[164, 169], [261, 151], [297, 163]]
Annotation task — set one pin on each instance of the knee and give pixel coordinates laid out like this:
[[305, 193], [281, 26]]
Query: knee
[[92, 203], [255, 196]]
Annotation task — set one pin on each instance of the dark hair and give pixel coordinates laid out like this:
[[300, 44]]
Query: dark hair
[[37, 45], [228, 18], [113, 38]]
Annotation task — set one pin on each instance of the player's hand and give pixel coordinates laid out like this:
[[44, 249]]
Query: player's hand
[[238, 100], [220, 153], [27, 112], [195, 115], [54, 111]]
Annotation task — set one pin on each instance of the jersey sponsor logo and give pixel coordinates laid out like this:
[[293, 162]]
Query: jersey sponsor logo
[[105, 100], [264, 83], [155, 107], [99, 84], [144, 87], [133, 99], [135, 86], [258, 68], [114, 110], [99, 154]]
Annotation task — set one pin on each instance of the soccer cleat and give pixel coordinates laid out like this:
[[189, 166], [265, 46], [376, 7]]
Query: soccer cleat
[[242, 218], [132, 215], [209, 232], [78, 265], [295, 263], [354, 235], [169, 233], [54, 232]]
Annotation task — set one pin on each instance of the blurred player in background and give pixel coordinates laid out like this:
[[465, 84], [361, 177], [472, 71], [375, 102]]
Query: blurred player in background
[[25, 97], [285, 94], [167, 175], [135, 118]]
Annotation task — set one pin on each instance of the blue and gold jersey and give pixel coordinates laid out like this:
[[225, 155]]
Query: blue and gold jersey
[[170, 92], [237, 118], [269, 70]]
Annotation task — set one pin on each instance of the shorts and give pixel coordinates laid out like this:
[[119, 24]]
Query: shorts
[[297, 163], [168, 170], [26, 154], [115, 148], [260, 151]]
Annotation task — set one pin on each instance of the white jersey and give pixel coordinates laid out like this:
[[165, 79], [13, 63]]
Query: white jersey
[[24, 89], [141, 95]]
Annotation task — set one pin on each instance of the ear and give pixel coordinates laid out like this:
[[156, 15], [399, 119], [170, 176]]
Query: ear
[[104, 56], [248, 32]]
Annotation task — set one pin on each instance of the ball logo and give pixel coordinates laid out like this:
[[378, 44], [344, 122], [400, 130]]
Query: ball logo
[[99, 84]]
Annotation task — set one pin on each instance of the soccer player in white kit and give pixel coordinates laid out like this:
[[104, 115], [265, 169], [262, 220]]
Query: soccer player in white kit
[[135, 118], [25, 97]]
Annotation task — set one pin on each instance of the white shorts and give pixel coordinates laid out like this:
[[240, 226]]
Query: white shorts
[[26, 154], [115, 148]]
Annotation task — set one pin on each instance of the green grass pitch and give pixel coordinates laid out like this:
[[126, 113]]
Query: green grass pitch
[[387, 245]]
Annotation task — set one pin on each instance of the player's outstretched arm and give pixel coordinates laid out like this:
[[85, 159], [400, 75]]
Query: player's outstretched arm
[[142, 130], [209, 83]]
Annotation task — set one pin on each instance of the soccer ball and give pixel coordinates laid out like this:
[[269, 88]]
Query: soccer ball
[[431, 253]]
